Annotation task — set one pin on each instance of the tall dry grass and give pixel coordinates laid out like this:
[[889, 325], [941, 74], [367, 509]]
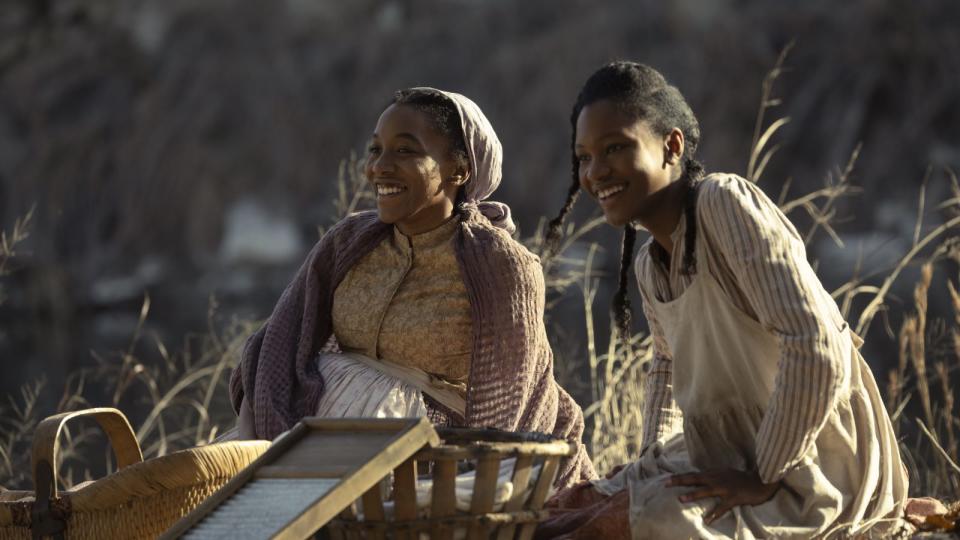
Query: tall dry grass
[[180, 400]]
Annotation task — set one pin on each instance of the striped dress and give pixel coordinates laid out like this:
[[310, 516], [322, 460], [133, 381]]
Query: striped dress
[[820, 392], [760, 262]]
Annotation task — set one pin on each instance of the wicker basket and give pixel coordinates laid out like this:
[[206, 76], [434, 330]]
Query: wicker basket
[[140, 500], [491, 509]]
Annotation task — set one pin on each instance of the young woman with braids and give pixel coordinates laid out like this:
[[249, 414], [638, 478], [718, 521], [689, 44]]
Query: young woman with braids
[[427, 305], [761, 418]]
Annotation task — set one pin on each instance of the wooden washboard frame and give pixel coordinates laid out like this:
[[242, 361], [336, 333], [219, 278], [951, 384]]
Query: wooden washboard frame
[[306, 478]]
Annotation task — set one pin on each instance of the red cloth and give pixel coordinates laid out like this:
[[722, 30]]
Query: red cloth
[[583, 513]]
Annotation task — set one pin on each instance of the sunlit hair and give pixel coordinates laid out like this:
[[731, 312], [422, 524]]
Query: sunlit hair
[[641, 92]]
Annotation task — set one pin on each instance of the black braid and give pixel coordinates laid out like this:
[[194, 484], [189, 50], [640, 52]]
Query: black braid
[[642, 93], [555, 227], [693, 171], [622, 313]]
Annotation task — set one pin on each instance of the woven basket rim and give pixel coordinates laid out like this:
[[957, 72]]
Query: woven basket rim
[[183, 468]]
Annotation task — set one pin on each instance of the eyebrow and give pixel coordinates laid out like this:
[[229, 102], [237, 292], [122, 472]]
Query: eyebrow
[[605, 137], [409, 136]]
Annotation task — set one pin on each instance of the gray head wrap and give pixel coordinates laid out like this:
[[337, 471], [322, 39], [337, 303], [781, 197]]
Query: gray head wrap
[[486, 160]]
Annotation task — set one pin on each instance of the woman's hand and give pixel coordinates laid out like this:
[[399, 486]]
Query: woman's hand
[[732, 487]]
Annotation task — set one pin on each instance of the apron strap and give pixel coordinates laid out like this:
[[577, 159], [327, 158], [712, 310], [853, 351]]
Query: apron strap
[[446, 393]]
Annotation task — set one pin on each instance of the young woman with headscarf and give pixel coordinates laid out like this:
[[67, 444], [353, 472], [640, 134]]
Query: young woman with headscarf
[[434, 308]]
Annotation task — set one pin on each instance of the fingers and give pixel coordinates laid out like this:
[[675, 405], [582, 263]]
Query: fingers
[[712, 491], [718, 511], [689, 479]]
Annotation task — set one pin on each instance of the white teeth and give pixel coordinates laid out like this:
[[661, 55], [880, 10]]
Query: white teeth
[[388, 190], [607, 192]]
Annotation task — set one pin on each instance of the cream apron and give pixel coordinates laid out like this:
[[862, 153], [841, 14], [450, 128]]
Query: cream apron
[[724, 365], [356, 386]]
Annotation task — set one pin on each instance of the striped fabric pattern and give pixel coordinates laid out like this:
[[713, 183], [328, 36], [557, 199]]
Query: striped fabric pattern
[[760, 262]]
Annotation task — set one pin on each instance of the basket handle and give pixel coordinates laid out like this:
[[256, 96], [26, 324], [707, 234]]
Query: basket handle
[[47, 438]]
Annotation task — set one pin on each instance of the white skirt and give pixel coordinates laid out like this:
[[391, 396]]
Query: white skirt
[[353, 389]]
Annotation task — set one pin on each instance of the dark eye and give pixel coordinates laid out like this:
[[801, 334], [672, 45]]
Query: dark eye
[[373, 149], [583, 158], [404, 150], [615, 147]]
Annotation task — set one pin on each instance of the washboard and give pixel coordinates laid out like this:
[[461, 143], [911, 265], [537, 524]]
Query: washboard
[[306, 478]]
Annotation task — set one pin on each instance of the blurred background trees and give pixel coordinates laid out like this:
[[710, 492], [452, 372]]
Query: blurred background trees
[[191, 148]]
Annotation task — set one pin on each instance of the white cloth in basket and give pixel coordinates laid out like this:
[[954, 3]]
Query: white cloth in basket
[[359, 387]]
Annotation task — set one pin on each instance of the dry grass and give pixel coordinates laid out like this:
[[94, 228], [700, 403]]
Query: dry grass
[[180, 400], [9, 244], [177, 402]]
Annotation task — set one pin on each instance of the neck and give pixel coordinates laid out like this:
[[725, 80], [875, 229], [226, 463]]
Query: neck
[[662, 213], [413, 229]]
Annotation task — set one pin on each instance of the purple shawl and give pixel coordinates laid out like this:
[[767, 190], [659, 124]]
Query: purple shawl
[[510, 386]]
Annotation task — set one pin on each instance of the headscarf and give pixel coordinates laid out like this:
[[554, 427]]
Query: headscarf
[[486, 159]]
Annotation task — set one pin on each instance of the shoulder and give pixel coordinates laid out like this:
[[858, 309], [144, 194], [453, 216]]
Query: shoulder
[[728, 203], [354, 224], [723, 189], [358, 228], [477, 234], [353, 228]]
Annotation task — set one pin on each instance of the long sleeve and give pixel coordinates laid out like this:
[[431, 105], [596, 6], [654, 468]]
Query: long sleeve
[[660, 413], [766, 259]]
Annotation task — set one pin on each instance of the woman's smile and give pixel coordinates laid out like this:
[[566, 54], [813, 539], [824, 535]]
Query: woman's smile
[[387, 191], [607, 195]]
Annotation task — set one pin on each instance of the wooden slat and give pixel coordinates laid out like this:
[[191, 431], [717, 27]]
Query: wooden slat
[[547, 474], [330, 453], [444, 498], [501, 450], [400, 450], [462, 520], [373, 509], [405, 494], [484, 491], [520, 479]]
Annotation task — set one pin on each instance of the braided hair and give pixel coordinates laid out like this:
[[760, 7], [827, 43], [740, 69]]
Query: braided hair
[[642, 93], [445, 118]]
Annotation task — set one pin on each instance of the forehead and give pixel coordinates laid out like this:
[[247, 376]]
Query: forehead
[[603, 118], [400, 119]]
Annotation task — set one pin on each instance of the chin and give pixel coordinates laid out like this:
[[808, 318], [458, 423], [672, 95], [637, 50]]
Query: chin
[[386, 217], [615, 220]]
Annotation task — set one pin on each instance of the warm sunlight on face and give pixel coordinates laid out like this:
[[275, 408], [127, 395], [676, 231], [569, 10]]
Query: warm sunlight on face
[[408, 162], [621, 161]]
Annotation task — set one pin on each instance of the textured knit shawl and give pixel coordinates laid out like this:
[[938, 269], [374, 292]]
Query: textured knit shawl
[[510, 385]]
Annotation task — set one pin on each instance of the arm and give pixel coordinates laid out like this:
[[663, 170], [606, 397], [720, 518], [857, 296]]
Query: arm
[[767, 260], [660, 413]]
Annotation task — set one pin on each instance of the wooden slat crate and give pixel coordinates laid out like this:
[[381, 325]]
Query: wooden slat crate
[[490, 513]]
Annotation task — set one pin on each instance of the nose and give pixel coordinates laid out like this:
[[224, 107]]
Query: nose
[[595, 170], [380, 165]]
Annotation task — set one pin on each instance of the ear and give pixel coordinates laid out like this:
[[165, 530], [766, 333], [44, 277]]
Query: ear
[[459, 177], [673, 146]]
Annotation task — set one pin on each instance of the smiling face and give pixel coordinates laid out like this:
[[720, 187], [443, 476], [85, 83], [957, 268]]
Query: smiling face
[[622, 163], [415, 177]]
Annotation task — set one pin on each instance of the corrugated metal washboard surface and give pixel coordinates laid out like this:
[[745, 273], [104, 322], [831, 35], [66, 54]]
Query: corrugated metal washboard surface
[[306, 478]]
